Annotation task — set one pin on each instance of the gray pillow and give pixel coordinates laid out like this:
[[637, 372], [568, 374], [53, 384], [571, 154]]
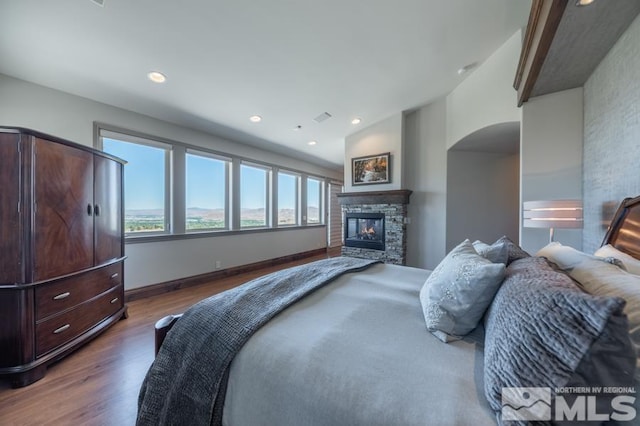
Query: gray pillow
[[543, 331], [458, 292], [497, 252], [514, 251]]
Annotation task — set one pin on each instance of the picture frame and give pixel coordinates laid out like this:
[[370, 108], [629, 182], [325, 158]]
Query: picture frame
[[371, 169]]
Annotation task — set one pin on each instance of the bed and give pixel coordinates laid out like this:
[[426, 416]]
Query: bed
[[375, 344]]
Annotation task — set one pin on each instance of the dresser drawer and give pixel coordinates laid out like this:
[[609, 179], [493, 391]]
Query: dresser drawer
[[60, 329], [57, 297]]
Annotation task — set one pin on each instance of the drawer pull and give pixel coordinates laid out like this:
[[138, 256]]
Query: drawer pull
[[62, 296], [115, 275], [61, 329], [114, 300]]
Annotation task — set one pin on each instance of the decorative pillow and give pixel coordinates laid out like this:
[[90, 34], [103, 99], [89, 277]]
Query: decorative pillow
[[514, 251], [543, 331], [458, 292], [631, 264], [568, 258], [604, 279], [497, 252]]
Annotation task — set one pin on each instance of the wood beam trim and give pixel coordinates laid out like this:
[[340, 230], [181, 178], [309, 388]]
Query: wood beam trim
[[544, 20]]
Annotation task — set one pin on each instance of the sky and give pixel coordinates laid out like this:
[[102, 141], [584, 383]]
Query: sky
[[143, 171], [205, 182], [145, 177]]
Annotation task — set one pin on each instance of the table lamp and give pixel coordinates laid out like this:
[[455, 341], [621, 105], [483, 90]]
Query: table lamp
[[552, 214]]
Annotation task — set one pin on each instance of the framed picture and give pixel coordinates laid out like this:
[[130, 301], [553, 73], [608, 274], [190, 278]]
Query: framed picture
[[372, 169]]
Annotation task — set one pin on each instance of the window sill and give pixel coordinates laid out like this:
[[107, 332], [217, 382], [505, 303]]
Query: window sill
[[141, 239]]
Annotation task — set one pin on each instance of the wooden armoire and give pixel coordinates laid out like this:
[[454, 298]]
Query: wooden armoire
[[61, 249]]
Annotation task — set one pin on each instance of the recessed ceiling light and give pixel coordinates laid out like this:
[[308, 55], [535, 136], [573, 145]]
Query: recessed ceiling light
[[312, 143], [157, 77], [356, 120], [255, 118], [584, 2]]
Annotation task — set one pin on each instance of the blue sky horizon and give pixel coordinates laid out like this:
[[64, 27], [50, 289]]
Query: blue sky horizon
[[205, 177]]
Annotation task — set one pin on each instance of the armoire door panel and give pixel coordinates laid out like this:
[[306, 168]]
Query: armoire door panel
[[63, 192], [10, 239], [107, 210]]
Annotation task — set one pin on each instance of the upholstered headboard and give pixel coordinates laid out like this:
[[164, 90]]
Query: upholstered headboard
[[624, 230]]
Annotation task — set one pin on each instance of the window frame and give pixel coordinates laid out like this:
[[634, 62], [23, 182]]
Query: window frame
[[268, 193], [168, 148], [298, 196], [175, 185], [227, 184], [321, 200]]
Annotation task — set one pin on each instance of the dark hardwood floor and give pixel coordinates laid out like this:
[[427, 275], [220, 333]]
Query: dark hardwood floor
[[99, 383]]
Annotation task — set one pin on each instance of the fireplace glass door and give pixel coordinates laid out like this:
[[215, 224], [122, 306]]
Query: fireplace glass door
[[364, 230]]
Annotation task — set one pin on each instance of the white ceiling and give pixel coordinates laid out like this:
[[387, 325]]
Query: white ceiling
[[285, 60]]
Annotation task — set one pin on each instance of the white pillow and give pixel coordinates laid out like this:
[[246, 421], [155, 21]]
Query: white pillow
[[603, 279], [568, 258], [631, 264], [459, 291]]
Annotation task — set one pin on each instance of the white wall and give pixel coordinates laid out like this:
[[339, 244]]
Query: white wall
[[71, 117], [487, 96], [157, 262], [482, 196], [483, 99], [383, 136], [551, 159], [426, 173]]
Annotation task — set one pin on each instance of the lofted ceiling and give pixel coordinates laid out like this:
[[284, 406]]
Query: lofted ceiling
[[286, 60]]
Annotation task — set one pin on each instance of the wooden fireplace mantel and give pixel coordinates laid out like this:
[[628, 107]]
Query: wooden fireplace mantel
[[398, 196]]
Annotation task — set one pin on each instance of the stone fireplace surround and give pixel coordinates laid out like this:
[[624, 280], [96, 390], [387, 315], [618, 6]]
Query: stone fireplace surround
[[393, 204]]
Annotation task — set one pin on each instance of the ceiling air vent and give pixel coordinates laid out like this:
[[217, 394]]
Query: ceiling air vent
[[322, 117]]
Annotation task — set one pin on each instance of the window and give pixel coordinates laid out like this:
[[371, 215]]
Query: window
[[173, 189], [206, 191], [146, 192], [254, 182], [314, 201], [288, 188]]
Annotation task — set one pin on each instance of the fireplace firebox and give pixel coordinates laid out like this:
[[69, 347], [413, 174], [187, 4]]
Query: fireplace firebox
[[364, 230]]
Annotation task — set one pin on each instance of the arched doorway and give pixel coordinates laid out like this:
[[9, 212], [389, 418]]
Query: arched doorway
[[483, 185]]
